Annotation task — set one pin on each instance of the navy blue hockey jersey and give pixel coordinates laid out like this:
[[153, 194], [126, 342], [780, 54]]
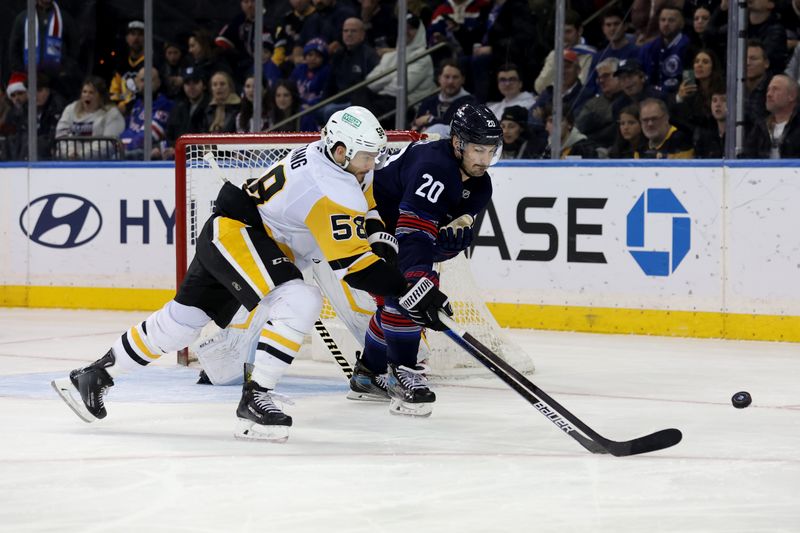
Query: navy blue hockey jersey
[[418, 191]]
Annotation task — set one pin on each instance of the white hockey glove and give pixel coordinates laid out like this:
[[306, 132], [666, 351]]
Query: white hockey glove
[[422, 304]]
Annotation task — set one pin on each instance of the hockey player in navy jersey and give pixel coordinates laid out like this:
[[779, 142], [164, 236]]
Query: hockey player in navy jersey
[[429, 196]]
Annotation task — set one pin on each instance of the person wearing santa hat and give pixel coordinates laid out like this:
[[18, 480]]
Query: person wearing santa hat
[[17, 90], [49, 106]]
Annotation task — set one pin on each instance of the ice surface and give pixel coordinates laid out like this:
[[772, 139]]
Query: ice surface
[[486, 461]]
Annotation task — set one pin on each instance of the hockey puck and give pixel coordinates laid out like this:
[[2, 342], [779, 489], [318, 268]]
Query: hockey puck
[[742, 399]]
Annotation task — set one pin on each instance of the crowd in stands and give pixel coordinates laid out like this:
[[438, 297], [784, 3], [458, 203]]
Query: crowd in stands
[[643, 79]]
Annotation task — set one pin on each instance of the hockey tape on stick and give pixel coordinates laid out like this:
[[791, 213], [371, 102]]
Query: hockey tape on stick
[[212, 162], [551, 409]]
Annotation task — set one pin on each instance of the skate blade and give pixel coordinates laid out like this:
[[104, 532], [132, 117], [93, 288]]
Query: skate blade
[[64, 388], [367, 397], [399, 407], [249, 430]]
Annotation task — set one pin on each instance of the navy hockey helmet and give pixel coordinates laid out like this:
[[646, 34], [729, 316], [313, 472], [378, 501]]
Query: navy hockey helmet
[[475, 123]]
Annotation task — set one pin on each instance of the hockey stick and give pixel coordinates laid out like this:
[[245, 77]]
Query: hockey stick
[[333, 348], [554, 411]]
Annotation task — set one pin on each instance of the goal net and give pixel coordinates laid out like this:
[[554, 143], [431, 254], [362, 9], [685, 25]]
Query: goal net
[[244, 156]]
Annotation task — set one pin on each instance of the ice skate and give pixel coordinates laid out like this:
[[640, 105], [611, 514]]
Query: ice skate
[[409, 392], [367, 386], [91, 383], [259, 417]]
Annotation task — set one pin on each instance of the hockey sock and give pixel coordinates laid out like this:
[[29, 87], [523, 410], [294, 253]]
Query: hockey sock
[[133, 350], [374, 356], [277, 347], [402, 338], [172, 327]]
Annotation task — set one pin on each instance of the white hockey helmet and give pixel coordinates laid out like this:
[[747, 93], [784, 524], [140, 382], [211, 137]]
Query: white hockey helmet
[[357, 129]]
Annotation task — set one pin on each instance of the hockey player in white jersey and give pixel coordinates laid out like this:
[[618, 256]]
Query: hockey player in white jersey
[[310, 206]]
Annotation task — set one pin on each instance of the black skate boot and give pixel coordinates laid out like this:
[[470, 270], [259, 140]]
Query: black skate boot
[[259, 417], [91, 382], [409, 392], [366, 385]]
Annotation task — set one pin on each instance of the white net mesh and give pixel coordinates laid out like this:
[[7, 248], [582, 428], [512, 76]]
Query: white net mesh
[[244, 157]]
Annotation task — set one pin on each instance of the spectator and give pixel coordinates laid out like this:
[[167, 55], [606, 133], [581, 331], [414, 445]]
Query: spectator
[[237, 38], [188, 115], [596, 118], [327, 21], [15, 123], [710, 143], [49, 106], [777, 136], [509, 83], [224, 105], [271, 69], [620, 45], [664, 141], [311, 78], [573, 95], [290, 27], [703, 34], [128, 65], [436, 111], [630, 140], [202, 55], [380, 22], [57, 55], [349, 66], [764, 25], [574, 144], [517, 142], [381, 96], [573, 40], [92, 115], [460, 23], [284, 102], [171, 70], [244, 119], [507, 38], [756, 80], [133, 136], [691, 105], [664, 57], [634, 85]]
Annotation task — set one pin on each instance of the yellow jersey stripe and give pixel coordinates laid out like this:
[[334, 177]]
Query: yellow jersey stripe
[[231, 239], [363, 262]]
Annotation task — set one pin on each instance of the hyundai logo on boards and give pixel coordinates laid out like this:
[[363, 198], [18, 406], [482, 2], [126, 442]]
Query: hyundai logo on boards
[[61, 220]]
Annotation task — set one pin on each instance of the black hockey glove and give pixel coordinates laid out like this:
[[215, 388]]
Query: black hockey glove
[[384, 245], [454, 239], [422, 303], [457, 235]]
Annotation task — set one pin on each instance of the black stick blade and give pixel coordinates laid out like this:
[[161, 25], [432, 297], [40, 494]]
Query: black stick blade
[[649, 443]]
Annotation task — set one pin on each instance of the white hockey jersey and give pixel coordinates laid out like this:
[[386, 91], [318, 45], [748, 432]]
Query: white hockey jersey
[[315, 210]]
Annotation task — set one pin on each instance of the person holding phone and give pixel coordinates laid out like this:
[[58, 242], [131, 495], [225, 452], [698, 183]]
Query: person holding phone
[[691, 105]]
